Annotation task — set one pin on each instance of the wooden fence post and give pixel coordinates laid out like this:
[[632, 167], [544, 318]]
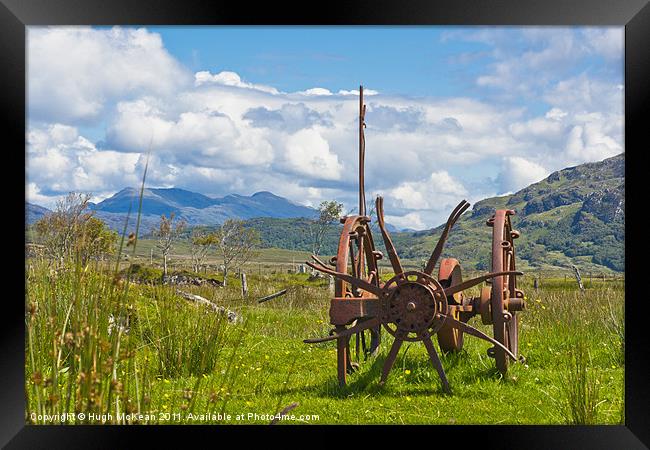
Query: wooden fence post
[[244, 285], [578, 278]]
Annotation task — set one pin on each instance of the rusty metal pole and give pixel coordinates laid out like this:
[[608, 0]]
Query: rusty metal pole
[[362, 153]]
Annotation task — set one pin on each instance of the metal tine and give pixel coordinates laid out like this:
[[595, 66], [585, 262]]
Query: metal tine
[[348, 332], [390, 359], [453, 217], [390, 248], [362, 284], [474, 332], [474, 281], [433, 355]]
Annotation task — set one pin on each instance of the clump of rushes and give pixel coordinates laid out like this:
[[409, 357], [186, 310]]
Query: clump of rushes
[[188, 339], [87, 350], [581, 387], [80, 353], [76, 361]]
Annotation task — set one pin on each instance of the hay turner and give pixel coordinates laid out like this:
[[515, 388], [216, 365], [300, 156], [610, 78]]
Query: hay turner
[[415, 305]]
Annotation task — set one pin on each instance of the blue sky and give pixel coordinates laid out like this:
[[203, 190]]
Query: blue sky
[[453, 112]]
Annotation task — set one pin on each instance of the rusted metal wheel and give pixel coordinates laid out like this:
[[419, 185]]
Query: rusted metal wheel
[[504, 288], [450, 274], [356, 256], [413, 305]]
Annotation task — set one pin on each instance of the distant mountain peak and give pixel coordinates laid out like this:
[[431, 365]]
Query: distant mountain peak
[[195, 208]]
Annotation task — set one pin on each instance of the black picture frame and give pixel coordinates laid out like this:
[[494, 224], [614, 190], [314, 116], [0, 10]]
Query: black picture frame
[[15, 15]]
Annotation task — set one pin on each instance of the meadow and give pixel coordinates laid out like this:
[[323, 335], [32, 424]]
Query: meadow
[[102, 349]]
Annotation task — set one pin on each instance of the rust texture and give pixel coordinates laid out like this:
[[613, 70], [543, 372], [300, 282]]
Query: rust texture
[[416, 305]]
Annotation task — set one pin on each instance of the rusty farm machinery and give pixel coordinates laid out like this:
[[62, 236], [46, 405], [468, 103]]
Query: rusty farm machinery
[[415, 305]]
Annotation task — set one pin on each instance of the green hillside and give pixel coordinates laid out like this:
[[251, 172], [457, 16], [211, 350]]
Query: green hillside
[[574, 216]]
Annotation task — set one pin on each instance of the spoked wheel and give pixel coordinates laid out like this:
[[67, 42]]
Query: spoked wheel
[[411, 306], [504, 288], [450, 274], [357, 257]]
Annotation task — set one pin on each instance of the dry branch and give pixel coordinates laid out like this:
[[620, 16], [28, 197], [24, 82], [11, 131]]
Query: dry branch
[[232, 316], [272, 296]]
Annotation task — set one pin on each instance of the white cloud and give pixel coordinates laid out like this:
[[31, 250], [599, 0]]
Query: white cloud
[[33, 195], [407, 221], [219, 134], [582, 93], [356, 92], [518, 172], [308, 153], [63, 161], [436, 192], [316, 91], [228, 78], [607, 41], [555, 114], [76, 72], [589, 142]]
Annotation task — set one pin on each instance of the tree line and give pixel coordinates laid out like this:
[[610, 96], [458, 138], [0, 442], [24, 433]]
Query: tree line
[[71, 231]]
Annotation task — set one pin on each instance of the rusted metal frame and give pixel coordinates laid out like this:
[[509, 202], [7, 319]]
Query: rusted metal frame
[[342, 254], [390, 359], [344, 311], [462, 308], [370, 254], [474, 332], [390, 247], [342, 357], [478, 280], [362, 154], [435, 360], [354, 290], [362, 284], [342, 332], [499, 323], [453, 217]]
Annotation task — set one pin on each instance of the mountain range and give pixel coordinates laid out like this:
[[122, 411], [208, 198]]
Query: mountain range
[[194, 208], [574, 216]]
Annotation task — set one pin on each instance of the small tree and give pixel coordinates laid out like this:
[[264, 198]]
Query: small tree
[[96, 240], [328, 213], [167, 233], [235, 245], [72, 231], [201, 242]]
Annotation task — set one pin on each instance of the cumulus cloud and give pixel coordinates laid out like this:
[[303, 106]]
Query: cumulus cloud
[[517, 173], [309, 154], [217, 133], [411, 221], [439, 188], [290, 117], [76, 72], [319, 91], [63, 161], [228, 78]]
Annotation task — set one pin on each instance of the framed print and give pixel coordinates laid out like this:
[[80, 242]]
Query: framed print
[[380, 214]]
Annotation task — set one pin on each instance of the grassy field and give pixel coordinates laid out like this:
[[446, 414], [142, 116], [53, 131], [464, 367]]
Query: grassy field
[[98, 347]]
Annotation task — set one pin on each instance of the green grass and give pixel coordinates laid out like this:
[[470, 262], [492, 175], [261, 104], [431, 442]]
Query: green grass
[[178, 358]]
